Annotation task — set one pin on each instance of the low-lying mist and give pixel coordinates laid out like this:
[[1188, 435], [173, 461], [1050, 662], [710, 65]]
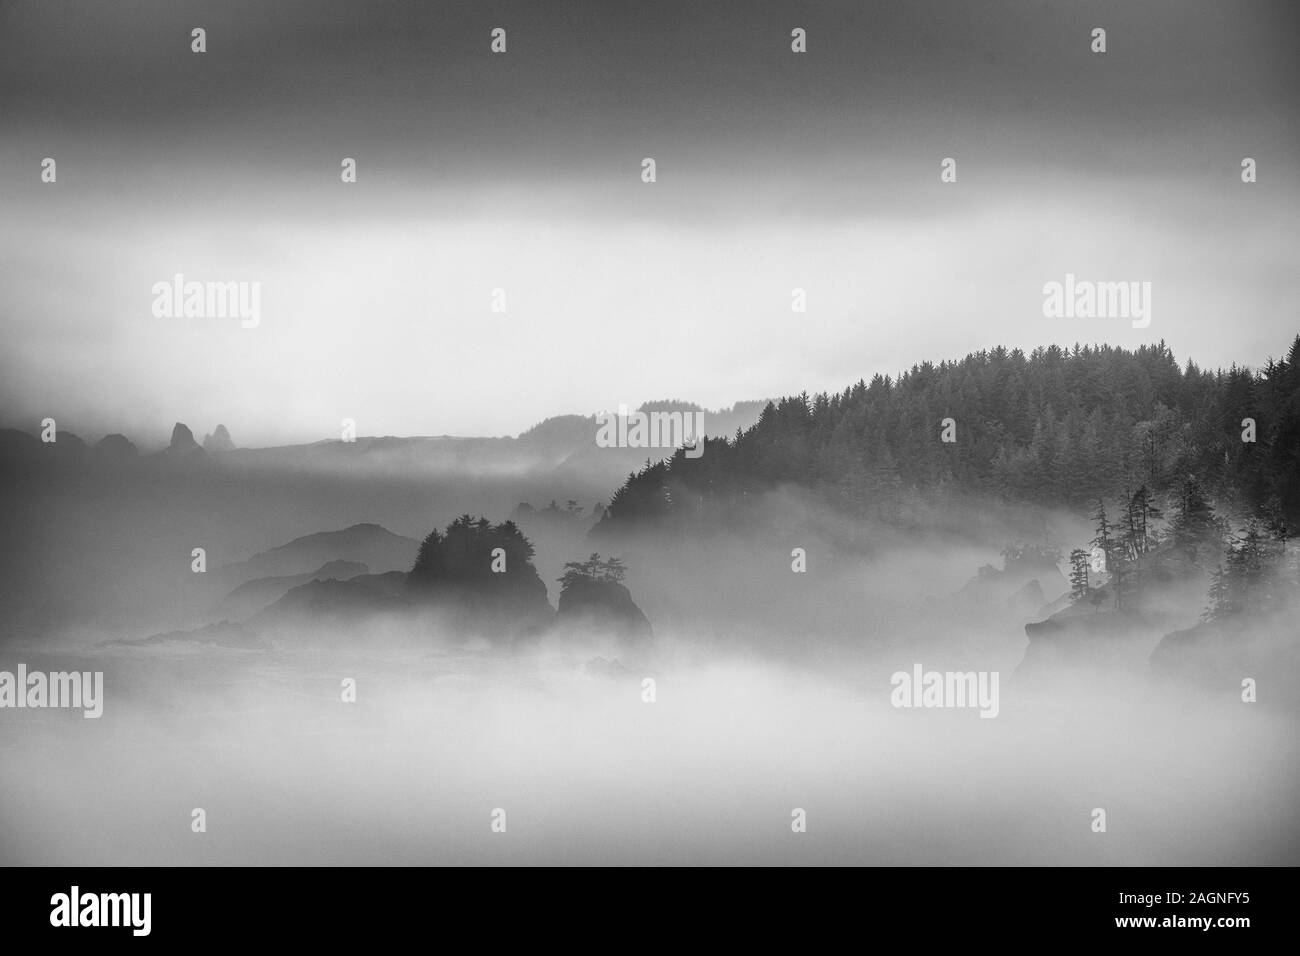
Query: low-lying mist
[[766, 690], [588, 771]]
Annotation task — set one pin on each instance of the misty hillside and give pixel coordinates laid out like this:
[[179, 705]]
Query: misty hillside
[[333, 600], [565, 444], [477, 576], [1053, 427], [258, 593], [563, 447], [375, 547]]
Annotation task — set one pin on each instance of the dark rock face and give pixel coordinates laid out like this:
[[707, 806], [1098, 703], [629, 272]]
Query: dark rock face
[[1083, 640], [507, 605], [1216, 656], [603, 606], [479, 577], [182, 438], [183, 447], [219, 440], [1093, 635], [456, 612]]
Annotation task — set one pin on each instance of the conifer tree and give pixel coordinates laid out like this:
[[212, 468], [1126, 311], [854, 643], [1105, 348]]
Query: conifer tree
[[1078, 574]]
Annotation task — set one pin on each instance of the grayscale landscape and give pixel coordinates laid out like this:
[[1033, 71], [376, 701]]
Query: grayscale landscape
[[661, 445]]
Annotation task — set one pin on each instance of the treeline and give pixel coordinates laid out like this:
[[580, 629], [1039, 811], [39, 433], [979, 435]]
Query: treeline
[[1055, 426], [466, 552], [474, 553], [1134, 552]]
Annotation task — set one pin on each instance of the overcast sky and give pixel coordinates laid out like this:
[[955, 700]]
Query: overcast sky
[[521, 171]]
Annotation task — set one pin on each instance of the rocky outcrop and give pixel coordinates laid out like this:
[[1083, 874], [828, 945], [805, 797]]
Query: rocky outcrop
[[1091, 634], [182, 438], [502, 606], [1090, 640], [183, 447], [218, 441], [479, 577], [602, 607], [1216, 656]]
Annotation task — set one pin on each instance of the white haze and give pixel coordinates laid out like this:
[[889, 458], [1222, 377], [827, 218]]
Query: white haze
[[587, 773], [773, 693]]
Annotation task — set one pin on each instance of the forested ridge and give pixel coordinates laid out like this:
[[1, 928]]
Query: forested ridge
[[1057, 427]]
